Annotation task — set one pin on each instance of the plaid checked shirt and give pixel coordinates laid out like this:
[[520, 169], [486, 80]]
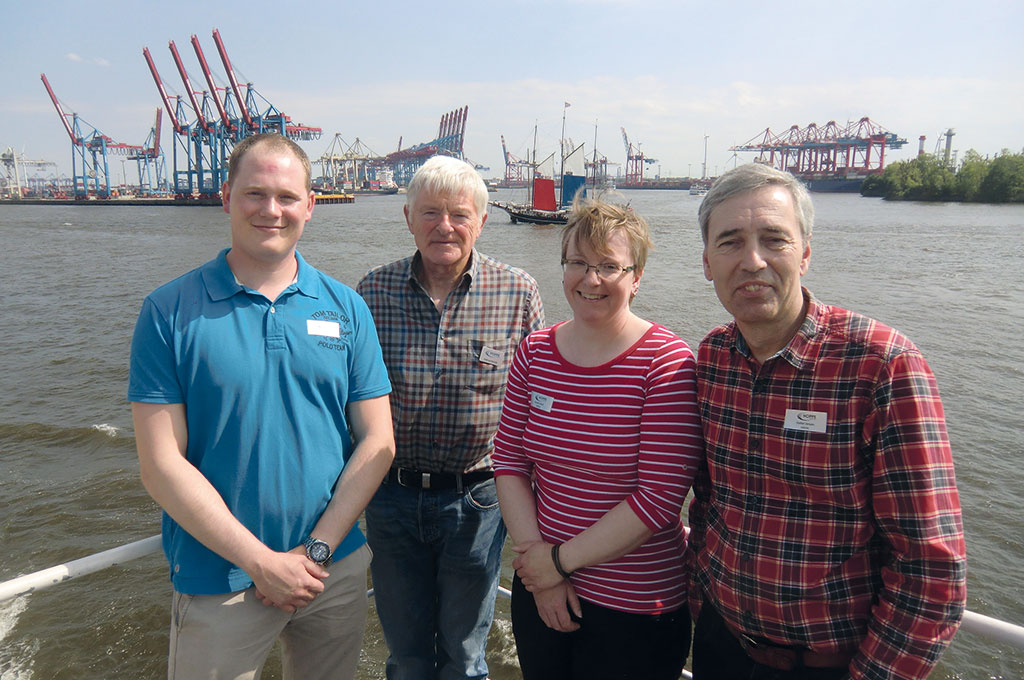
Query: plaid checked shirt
[[448, 368], [826, 515]]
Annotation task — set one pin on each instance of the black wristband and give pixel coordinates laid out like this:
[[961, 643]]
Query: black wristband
[[558, 563]]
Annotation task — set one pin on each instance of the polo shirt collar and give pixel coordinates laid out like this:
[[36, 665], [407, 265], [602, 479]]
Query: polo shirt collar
[[802, 350], [221, 284]]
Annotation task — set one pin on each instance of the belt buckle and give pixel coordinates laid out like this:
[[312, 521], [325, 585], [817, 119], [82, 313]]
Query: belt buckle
[[424, 480], [779, 658], [748, 642]]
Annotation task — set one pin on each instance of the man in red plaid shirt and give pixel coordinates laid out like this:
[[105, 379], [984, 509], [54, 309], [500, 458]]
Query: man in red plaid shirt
[[826, 534]]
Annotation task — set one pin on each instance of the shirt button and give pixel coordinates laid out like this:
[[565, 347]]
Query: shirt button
[[273, 310], [755, 444]]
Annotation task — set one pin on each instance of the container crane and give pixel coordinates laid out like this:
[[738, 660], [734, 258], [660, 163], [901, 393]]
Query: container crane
[[514, 167], [254, 120], [222, 118], [826, 154], [635, 162], [16, 181], [352, 167], [194, 135], [90, 168], [150, 161], [449, 142]]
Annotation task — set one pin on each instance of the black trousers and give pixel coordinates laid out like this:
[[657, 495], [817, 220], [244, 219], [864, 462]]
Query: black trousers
[[718, 655], [610, 645]]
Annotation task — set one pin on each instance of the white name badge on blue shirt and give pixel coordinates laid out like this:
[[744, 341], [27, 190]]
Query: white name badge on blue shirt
[[540, 401], [805, 421], [327, 329]]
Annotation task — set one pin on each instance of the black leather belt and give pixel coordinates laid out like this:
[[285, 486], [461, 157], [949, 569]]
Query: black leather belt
[[436, 481], [781, 657]]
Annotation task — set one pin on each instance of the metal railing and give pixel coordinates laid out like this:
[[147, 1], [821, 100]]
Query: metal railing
[[977, 624]]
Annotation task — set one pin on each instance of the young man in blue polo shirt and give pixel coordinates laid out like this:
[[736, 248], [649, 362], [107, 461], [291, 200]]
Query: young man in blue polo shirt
[[263, 428]]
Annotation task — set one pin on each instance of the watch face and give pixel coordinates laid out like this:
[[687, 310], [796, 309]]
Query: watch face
[[318, 551]]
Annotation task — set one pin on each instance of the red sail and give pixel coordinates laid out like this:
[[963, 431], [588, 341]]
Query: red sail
[[543, 193]]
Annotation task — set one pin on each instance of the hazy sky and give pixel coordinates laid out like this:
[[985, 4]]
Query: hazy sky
[[669, 72]]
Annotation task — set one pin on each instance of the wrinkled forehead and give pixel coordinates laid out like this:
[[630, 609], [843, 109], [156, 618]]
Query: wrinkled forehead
[[442, 196]]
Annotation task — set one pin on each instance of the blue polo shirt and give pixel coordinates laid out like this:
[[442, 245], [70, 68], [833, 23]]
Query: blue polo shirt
[[265, 386]]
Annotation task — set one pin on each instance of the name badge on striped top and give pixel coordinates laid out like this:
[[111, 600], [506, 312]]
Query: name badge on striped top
[[540, 401]]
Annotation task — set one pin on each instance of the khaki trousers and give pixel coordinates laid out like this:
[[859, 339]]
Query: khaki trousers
[[228, 637]]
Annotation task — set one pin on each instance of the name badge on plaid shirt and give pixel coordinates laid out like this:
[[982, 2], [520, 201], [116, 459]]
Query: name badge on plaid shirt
[[805, 421], [490, 356]]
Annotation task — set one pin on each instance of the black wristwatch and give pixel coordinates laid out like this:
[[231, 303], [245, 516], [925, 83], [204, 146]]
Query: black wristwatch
[[318, 551]]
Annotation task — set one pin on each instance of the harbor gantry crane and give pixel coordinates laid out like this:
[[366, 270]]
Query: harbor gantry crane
[[449, 142], [151, 163], [90, 169], [635, 162], [207, 127], [514, 167], [828, 152], [16, 180], [353, 166]]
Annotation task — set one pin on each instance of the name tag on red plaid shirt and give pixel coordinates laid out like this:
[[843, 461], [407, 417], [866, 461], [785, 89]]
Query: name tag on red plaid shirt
[[805, 421]]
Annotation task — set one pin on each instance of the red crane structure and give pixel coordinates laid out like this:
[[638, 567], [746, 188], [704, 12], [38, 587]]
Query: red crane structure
[[90, 168], [208, 127], [150, 162], [449, 142], [514, 167], [635, 162], [829, 152]]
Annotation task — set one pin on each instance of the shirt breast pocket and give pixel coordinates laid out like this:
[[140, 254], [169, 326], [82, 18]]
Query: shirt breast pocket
[[827, 471], [488, 360]]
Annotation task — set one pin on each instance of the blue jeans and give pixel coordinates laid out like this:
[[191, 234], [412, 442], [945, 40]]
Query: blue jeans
[[436, 562]]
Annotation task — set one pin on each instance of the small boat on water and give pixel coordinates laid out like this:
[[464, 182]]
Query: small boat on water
[[699, 188], [542, 207]]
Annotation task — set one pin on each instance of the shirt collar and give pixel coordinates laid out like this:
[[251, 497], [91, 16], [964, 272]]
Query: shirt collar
[[470, 273], [221, 284], [802, 350]]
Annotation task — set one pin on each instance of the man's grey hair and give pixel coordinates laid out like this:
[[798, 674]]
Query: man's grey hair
[[750, 177], [447, 176]]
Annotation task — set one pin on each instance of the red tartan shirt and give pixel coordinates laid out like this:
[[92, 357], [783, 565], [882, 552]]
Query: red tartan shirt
[[826, 514]]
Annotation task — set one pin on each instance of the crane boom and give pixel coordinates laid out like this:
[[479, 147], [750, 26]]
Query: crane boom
[[209, 81], [60, 111], [155, 151], [188, 88], [231, 78], [163, 93]]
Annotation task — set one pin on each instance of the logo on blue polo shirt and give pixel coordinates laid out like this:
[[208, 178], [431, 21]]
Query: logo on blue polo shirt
[[344, 329]]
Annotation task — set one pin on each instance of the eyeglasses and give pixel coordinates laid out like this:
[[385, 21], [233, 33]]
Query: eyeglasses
[[607, 270]]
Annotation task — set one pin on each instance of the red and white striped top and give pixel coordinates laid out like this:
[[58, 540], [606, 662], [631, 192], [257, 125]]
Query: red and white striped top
[[590, 437]]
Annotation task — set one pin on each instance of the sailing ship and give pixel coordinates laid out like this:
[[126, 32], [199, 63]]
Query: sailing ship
[[542, 207]]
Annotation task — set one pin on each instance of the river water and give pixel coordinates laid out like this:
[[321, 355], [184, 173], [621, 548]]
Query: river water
[[72, 279]]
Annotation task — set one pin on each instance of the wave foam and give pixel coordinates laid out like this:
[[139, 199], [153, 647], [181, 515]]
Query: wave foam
[[109, 430]]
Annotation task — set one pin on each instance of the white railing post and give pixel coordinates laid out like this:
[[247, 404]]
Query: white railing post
[[973, 623], [75, 568], [994, 629]]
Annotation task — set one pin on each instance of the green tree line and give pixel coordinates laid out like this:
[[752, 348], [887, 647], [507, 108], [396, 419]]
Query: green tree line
[[928, 178]]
